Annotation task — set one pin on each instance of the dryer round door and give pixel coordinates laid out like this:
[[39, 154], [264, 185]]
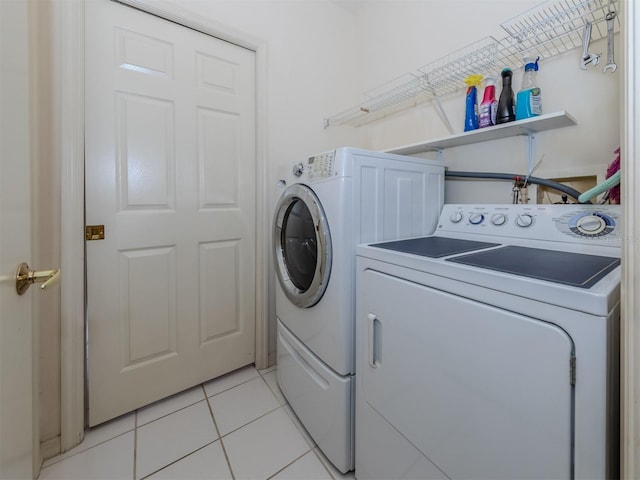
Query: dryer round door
[[302, 246]]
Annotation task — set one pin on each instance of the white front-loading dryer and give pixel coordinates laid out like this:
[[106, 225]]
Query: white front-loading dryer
[[342, 198]]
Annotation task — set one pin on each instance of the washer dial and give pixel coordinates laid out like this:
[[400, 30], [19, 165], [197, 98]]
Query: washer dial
[[498, 219], [592, 224], [476, 218], [456, 217], [524, 220]]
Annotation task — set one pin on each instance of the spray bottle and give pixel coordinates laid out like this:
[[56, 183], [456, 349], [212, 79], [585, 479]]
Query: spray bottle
[[489, 105], [471, 109], [529, 100]]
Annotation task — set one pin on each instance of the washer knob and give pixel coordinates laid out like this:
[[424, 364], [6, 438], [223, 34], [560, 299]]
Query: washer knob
[[476, 218], [591, 225], [499, 219], [298, 169], [456, 217], [524, 220]]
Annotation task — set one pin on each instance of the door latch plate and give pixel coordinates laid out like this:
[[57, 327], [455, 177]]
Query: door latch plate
[[94, 232]]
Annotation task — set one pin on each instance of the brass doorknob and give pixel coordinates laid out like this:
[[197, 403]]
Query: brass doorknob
[[25, 277]]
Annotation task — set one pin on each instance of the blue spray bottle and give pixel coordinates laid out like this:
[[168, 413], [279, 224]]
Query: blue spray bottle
[[471, 106], [529, 99]]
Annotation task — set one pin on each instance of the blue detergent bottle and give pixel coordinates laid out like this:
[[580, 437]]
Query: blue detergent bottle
[[529, 98], [471, 105]]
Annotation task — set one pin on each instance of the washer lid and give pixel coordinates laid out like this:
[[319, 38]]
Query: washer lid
[[435, 247], [574, 269]]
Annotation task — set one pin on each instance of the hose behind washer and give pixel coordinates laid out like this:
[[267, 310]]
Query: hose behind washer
[[572, 192]]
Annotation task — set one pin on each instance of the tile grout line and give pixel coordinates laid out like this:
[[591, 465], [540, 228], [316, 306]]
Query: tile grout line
[[179, 459], [289, 464], [251, 421], [227, 389], [170, 413], [215, 424]]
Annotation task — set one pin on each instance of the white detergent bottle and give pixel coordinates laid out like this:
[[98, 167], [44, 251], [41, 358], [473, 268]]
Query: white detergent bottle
[[529, 98]]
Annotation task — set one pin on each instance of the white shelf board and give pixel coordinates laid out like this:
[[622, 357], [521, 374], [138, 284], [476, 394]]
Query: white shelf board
[[541, 123]]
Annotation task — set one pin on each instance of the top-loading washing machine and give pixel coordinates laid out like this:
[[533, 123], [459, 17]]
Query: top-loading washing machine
[[341, 198], [490, 350]]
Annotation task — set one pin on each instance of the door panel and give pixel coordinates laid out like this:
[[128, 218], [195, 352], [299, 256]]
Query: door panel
[[481, 392], [170, 173], [148, 293], [18, 424], [145, 152]]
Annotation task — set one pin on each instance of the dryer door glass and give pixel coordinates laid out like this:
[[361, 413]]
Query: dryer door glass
[[302, 246]]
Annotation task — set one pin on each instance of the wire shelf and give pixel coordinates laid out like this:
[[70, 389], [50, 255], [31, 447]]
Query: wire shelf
[[551, 19], [446, 75], [554, 27], [399, 94], [546, 30]]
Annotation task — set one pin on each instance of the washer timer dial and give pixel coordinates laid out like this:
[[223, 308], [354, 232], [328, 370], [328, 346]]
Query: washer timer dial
[[592, 224]]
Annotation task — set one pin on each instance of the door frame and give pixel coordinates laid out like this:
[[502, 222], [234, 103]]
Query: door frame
[[73, 296], [630, 286]]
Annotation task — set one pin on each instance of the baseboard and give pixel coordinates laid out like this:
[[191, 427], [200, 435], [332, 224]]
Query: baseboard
[[272, 358], [50, 448]]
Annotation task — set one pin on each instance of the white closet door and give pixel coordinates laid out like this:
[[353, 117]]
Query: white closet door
[[170, 173]]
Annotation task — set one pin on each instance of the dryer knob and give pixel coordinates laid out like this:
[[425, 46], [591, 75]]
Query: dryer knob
[[298, 169]]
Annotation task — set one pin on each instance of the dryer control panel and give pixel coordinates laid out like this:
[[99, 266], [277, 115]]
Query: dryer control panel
[[321, 165], [584, 224]]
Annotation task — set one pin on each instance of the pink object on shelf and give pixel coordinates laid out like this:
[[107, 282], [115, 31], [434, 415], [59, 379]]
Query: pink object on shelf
[[614, 193]]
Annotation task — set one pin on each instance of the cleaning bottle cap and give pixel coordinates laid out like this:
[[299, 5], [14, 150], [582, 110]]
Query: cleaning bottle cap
[[531, 64], [473, 80], [490, 80]]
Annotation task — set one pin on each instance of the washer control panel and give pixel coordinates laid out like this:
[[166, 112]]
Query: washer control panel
[[321, 165], [593, 224]]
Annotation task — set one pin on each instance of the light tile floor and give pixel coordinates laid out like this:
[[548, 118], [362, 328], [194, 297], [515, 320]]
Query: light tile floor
[[238, 426]]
